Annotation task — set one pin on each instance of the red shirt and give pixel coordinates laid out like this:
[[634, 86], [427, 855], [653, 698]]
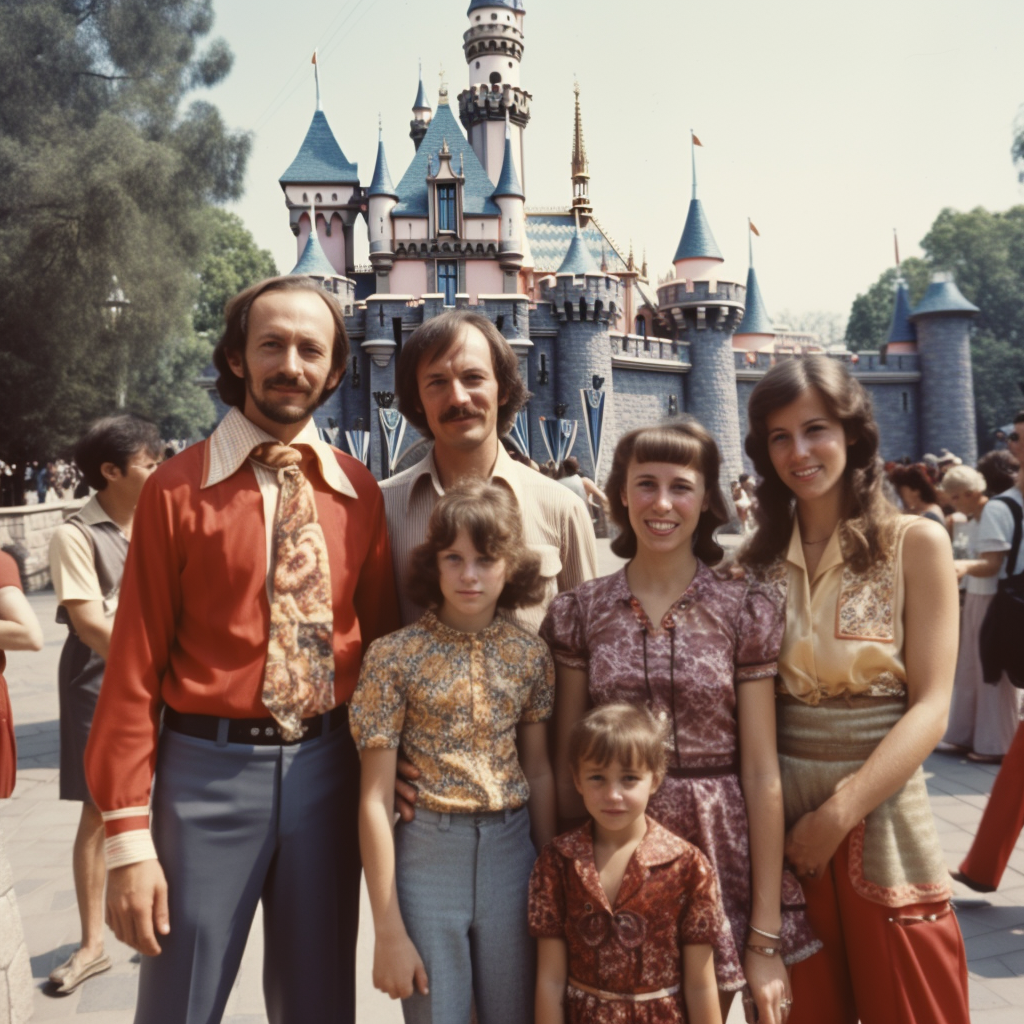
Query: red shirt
[[194, 617]]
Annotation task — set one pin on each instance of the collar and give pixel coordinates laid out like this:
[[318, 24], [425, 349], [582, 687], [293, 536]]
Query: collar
[[506, 469], [830, 557], [91, 513], [231, 444], [694, 592], [430, 622]]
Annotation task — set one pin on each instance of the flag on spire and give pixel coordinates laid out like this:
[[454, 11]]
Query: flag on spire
[[313, 61], [753, 227], [696, 141], [316, 75], [896, 243]]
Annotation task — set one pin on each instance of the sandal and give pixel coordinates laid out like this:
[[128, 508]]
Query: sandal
[[71, 973]]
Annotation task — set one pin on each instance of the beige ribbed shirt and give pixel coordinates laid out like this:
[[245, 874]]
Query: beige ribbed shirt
[[556, 523]]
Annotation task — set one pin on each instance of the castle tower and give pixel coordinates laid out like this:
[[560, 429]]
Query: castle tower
[[322, 176], [493, 46], [381, 200], [508, 194], [697, 253], [755, 331], [314, 263], [580, 167], [942, 320], [586, 303], [902, 338], [421, 114]]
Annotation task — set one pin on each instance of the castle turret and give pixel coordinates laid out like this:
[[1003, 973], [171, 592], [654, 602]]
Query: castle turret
[[580, 166], [697, 253], [493, 46], [421, 114], [322, 175], [755, 330], [942, 320], [314, 263], [381, 200], [902, 338], [508, 194]]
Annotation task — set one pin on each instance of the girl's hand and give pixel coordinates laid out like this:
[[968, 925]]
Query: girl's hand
[[769, 984], [398, 969], [813, 840]]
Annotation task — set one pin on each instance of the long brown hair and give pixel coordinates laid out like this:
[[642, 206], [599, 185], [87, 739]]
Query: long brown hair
[[868, 516], [682, 442]]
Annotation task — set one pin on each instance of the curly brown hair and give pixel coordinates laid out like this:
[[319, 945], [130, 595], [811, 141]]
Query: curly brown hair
[[681, 441], [489, 514], [916, 478], [868, 516], [431, 340], [230, 386]]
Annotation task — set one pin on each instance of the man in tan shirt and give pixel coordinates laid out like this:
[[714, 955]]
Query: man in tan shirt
[[458, 383]]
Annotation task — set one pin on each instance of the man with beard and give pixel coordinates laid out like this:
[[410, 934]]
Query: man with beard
[[258, 572]]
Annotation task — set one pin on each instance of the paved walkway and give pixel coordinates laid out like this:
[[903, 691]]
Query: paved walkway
[[39, 830]]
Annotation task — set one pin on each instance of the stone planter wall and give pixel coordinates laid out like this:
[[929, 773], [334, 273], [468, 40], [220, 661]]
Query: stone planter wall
[[30, 527]]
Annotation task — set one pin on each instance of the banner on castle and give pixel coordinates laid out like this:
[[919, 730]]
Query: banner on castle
[[358, 442], [559, 436], [593, 421], [392, 429], [519, 435]]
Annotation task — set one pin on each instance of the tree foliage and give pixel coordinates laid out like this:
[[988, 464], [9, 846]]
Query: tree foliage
[[985, 253], [105, 171]]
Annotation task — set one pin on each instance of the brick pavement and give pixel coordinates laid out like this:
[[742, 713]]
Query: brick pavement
[[39, 830]]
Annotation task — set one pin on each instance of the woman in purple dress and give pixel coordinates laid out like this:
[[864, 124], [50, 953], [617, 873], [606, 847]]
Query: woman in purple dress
[[701, 652]]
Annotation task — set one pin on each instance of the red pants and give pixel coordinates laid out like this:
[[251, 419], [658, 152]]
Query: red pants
[[880, 965], [1002, 821]]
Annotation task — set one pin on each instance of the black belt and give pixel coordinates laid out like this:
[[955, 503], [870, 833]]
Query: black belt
[[697, 772], [260, 732]]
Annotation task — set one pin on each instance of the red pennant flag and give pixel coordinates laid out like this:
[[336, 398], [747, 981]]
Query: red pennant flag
[[696, 141], [753, 228], [313, 61]]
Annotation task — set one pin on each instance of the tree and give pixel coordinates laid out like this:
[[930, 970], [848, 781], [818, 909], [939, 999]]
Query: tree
[[827, 326], [985, 253], [103, 174]]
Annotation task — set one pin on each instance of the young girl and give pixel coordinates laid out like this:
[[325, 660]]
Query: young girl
[[466, 695], [700, 651], [865, 671], [621, 906]]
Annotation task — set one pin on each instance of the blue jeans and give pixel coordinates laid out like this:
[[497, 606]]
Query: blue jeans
[[463, 884]]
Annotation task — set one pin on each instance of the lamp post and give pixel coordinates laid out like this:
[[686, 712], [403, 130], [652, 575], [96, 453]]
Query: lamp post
[[115, 305]]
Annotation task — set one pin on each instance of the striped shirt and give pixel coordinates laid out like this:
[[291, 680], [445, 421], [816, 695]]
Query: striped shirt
[[556, 524]]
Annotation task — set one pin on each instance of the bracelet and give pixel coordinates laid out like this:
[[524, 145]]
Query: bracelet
[[764, 950], [767, 935]]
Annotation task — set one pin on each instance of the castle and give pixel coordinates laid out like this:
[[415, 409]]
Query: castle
[[600, 346]]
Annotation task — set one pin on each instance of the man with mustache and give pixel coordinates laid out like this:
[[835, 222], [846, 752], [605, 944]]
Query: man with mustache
[[458, 383], [258, 572]]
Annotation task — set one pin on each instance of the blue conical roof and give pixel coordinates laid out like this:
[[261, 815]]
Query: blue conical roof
[[421, 98], [320, 159], [313, 261], [578, 259], [508, 182], [697, 242], [512, 5], [755, 317], [943, 296], [901, 329], [381, 184]]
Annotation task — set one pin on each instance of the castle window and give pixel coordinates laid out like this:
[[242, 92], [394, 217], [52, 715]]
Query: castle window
[[448, 280], [305, 197], [906, 402], [446, 220], [495, 77], [641, 327], [319, 198], [478, 65], [334, 197]]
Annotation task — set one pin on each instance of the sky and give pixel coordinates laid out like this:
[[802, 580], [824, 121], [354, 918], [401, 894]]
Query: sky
[[828, 124]]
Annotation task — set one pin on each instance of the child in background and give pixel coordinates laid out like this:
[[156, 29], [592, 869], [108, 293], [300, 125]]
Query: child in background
[[466, 695], [624, 911]]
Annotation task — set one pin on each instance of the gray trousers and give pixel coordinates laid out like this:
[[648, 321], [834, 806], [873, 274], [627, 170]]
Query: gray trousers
[[463, 884], [235, 825]]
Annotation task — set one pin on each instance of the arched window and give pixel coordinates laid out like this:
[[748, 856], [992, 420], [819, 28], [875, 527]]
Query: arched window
[[319, 198], [495, 77], [305, 197], [641, 327]]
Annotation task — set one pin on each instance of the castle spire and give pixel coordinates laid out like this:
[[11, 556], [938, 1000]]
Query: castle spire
[[508, 181], [313, 262], [381, 184], [578, 259], [697, 251], [580, 165], [316, 76], [421, 114]]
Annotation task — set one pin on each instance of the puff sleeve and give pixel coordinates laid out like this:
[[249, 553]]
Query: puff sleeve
[[563, 631], [376, 711], [759, 629]]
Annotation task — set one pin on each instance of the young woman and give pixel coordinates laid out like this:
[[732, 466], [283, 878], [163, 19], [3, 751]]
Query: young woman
[[918, 493], [466, 695], [866, 670], [700, 651]]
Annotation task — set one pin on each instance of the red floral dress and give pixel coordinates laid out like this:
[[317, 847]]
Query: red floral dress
[[668, 899]]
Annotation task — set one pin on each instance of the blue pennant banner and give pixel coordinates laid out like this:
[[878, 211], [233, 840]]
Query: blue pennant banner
[[593, 420], [392, 428], [358, 442], [559, 437], [519, 435]]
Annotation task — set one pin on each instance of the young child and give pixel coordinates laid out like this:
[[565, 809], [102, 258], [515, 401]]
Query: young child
[[624, 911], [466, 695]]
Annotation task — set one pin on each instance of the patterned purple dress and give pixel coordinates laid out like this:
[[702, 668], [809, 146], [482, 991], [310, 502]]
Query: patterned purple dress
[[719, 634]]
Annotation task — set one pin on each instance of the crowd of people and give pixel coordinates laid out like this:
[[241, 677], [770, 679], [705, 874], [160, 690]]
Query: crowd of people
[[577, 799]]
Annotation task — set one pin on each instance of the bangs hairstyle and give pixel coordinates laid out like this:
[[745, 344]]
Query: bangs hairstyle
[[626, 733], [489, 514], [230, 386], [433, 339], [682, 442], [115, 439], [866, 531]]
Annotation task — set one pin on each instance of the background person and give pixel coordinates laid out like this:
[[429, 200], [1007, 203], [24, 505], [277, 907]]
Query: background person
[[87, 553], [917, 493]]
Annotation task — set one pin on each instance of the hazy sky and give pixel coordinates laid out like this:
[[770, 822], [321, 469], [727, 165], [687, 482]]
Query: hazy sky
[[828, 123]]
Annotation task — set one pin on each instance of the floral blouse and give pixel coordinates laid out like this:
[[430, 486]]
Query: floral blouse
[[452, 700], [668, 899]]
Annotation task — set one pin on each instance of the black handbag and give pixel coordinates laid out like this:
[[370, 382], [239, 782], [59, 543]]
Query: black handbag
[[1002, 631]]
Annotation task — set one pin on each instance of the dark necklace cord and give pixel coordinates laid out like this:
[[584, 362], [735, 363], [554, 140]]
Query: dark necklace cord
[[671, 685]]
